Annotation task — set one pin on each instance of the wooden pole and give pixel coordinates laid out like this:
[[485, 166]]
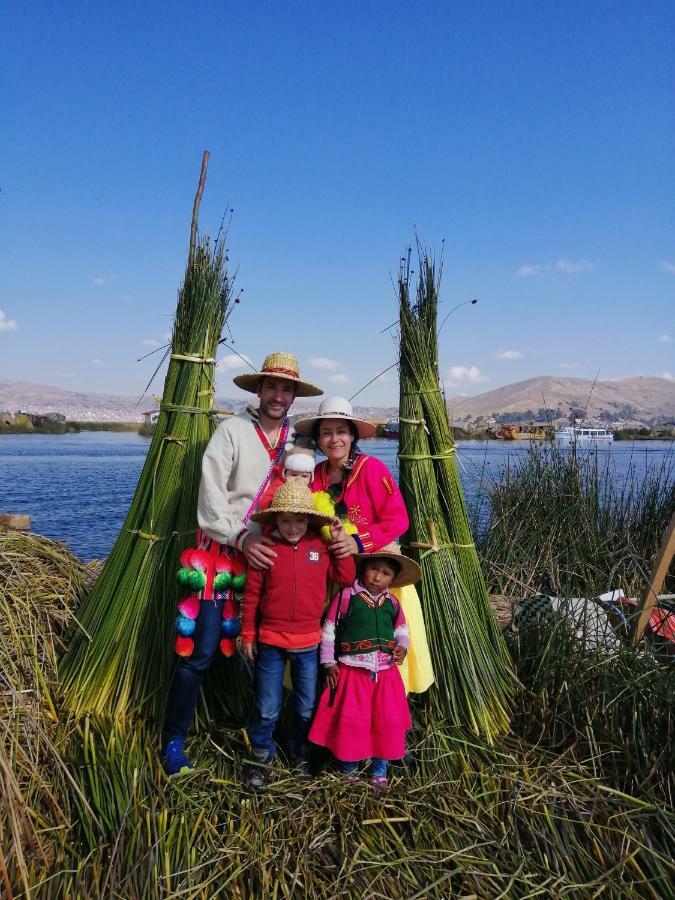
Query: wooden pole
[[658, 574], [198, 200]]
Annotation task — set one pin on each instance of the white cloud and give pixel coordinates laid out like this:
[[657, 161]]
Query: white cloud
[[469, 374], [7, 324], [509, 354], [150, 342], [97, 362], [667, 375], [572, 267], [665, 339], [322, 362], [99, 280], [340, 378], [231, 362], [667, 266], [570, 365], [527, 270]]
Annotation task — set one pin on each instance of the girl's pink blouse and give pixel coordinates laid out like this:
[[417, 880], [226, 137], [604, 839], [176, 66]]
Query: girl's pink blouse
[[374, 502]]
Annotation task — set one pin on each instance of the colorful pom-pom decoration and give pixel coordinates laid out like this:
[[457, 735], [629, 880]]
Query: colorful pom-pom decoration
[[222, 581], [186, 558], [228, 647], [200, 560], [196, 580], [238, 582], [224, 563], [230, 628], [185, 646], [184, 626], [189, 607], [183, 576]]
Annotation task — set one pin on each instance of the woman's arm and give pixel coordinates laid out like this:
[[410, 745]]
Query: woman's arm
[[390, 517]]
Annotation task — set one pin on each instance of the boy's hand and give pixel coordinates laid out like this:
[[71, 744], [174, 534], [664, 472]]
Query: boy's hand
[[332, 676], [399, 654], [250, 649]]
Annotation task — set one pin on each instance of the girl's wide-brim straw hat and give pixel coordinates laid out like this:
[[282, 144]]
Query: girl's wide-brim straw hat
[[409, 572], [278, 365], [292, 497], [335, 408]]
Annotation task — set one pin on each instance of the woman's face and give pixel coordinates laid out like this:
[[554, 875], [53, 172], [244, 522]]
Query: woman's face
[[335, 439]]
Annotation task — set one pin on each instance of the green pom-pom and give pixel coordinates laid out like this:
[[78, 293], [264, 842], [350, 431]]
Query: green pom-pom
[[184, 576], [197, 580], [222, 581], [238, 582]]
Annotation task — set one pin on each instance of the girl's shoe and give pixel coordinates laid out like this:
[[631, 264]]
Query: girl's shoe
[[350, 777], [379, 784], [174, 760]]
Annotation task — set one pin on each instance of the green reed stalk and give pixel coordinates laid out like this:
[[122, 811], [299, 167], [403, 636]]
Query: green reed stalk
[[475, 683], [119, 653]]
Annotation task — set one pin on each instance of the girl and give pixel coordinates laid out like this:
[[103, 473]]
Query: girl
[[363, 712]]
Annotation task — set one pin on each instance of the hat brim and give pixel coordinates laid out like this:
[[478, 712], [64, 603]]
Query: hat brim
[[409, 573], [266, 515], [251, 382], [363, 428]]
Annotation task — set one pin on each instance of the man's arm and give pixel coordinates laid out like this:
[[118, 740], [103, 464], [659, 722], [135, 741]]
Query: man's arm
[[214, 510]]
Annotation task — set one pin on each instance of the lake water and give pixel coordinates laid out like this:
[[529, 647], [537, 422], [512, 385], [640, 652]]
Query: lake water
[[78, 487]]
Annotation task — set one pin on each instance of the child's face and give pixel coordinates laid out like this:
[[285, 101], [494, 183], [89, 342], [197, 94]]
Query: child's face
[[292, 526], [378, 575], [306, 477]]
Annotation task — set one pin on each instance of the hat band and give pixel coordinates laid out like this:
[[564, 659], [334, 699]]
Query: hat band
[[279, 370], [334, 413]]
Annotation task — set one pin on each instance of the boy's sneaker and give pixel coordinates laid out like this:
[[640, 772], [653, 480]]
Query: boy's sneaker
[[255, 779], [302, 769], [174, 760]]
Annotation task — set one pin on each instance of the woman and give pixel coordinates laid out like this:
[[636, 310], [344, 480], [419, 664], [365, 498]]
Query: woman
[[364, 492]]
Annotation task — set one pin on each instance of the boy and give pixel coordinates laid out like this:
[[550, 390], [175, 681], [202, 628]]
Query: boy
[[281, 621]]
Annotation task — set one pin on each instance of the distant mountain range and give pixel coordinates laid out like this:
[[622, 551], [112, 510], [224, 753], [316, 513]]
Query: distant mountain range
[[640, 399]]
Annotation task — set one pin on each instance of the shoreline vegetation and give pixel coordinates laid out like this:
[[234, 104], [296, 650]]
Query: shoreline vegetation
[[582, 785]]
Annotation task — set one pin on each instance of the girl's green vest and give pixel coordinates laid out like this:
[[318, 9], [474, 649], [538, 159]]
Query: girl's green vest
[[367, 626]]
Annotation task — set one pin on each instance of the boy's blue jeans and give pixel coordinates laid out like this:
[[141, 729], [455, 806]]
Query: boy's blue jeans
[[270, 665]]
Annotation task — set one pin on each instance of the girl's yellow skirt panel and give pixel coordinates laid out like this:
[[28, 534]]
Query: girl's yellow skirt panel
[[416, 671]]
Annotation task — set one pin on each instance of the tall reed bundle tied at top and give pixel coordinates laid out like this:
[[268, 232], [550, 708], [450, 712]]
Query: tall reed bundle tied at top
[[474, 679], [120, 649]]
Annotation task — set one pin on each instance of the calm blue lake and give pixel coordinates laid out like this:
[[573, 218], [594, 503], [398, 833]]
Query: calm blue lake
[[78, 487]]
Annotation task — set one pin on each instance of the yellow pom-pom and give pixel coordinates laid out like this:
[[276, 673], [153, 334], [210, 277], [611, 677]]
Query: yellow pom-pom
[[323, 503]]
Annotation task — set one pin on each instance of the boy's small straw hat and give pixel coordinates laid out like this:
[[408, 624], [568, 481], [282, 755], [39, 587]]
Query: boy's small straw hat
[[336, 408], [410, 571], [278, 365], [292, 497]]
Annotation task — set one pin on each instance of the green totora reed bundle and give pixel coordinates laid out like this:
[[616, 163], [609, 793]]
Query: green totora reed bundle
[[474, 680], [120, 651]]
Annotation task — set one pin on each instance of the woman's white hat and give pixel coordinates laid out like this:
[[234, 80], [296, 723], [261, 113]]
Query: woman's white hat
[[335, 408]]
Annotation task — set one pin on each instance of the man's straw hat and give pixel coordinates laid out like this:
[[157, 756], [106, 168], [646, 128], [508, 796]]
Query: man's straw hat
[[278, 365], [409, 572], [335, 408], [292, 497]]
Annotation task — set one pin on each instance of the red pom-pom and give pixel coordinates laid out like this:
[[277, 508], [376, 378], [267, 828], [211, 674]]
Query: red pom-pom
[[238, 565], [189, 607], [200, 560], [185, 646], [186, 558], [230, 608], [228, 646], [223, 563]]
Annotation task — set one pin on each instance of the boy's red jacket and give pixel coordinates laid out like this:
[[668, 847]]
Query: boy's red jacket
[[290, 596]]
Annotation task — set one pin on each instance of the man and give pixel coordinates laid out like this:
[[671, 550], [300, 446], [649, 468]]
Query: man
[[235, 470]]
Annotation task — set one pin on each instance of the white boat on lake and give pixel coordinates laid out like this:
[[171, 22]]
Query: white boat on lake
[[582, 437]]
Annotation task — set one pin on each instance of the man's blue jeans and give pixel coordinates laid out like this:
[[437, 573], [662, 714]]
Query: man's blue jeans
[[270, 665]]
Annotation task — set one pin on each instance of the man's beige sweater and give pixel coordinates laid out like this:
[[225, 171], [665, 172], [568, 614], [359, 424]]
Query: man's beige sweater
[[234, 466]]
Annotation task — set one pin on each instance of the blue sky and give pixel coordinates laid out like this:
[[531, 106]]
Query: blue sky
[[536, 138]]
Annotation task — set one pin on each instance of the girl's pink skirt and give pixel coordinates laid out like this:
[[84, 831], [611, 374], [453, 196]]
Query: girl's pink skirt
[[367, 717]]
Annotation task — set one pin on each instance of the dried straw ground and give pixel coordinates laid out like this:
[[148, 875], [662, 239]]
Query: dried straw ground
[[85, 810]]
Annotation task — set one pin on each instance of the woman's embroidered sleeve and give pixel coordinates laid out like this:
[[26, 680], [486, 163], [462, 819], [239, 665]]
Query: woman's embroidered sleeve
[[390, 519]]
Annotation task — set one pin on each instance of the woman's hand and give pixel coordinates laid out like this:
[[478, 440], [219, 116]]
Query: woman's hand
[[332, 673], [342, 544], [400, 654], [249, 649]]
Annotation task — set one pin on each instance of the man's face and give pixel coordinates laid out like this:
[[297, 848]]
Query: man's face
[[276, 397]]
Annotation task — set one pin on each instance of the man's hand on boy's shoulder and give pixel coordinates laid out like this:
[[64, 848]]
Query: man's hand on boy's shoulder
[[257, 548]]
